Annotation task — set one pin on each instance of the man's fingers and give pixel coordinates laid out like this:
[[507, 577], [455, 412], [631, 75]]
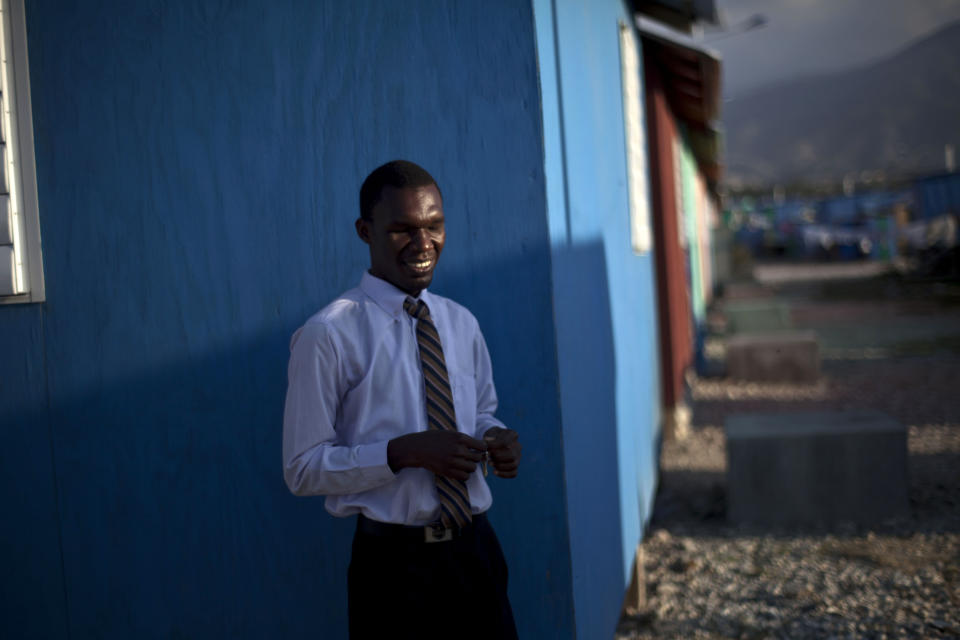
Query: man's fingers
[[506, 459], [473, 443], [501, 438], [470, 454], [461, 464], [492, 434], [502, 463], [456, 474], [511, 453], [457, 469], [508, 437]]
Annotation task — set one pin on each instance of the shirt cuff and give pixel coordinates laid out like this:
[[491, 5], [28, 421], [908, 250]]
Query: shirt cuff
[[372, 458]]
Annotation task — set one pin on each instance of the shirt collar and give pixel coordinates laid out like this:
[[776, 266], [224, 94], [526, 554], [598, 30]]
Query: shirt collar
[[388, 297]]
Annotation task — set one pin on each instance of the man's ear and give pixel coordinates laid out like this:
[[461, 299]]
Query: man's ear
[[363, 229]]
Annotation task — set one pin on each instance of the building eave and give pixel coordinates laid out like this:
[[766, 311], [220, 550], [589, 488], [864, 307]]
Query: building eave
[[692, 81], [679, 14]]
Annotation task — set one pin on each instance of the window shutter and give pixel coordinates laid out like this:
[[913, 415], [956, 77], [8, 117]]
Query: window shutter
[[8, 261], [21, 269]]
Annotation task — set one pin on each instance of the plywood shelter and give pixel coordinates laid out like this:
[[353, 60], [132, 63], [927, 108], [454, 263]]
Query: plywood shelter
[[197, 166]]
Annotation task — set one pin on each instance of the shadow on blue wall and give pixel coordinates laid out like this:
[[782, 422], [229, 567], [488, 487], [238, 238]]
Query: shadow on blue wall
[[588, 382], [31, 589], [171, 511], [173, 517], [197, 170]]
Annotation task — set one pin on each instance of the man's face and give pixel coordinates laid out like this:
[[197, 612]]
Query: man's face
[[406, 235]]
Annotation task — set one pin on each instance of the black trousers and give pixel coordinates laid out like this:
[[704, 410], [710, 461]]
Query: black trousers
[[401, 587]]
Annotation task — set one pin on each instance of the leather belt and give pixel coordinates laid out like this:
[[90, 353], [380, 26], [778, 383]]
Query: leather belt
[[424, 533]]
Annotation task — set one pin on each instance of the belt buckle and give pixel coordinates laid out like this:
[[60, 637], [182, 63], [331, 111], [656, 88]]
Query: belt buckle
[[437, 533]]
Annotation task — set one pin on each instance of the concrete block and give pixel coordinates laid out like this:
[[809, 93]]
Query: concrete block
[[816, 468], [792, 356], [757, 316], [743, 291]]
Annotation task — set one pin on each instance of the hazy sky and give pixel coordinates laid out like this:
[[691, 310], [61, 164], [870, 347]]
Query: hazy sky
[[813, 36]]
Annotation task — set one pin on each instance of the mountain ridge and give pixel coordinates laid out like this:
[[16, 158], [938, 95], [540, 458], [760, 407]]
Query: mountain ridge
[[893, 115]]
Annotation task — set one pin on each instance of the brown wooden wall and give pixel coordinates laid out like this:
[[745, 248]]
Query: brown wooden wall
[[673, 290]]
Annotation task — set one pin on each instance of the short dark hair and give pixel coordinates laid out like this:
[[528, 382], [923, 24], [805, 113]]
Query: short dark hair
[[396, 173]]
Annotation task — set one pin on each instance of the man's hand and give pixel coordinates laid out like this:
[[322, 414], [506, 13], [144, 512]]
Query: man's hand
[[503, 446], [448, 453]]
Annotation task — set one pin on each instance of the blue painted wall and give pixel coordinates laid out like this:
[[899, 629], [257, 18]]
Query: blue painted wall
[[604, 303], [198, 164]]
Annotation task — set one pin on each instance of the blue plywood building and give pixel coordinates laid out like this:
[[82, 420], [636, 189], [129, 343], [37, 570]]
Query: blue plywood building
[[197, 165]]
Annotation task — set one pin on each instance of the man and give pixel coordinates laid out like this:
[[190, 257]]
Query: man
[[389, 413]]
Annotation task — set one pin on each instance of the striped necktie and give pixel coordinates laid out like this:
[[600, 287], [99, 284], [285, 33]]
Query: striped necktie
[[454, 499]]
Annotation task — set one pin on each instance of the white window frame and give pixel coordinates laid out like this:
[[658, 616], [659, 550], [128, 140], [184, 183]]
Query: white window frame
[[638, 188], [21, 161]]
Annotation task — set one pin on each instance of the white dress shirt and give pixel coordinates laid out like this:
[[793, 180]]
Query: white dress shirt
[[355, 383]]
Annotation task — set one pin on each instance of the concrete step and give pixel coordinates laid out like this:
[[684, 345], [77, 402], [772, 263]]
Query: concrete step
[[786, 356], [816, 468]]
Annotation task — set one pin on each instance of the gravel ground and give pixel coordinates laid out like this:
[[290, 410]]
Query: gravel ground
[[708, 579]]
